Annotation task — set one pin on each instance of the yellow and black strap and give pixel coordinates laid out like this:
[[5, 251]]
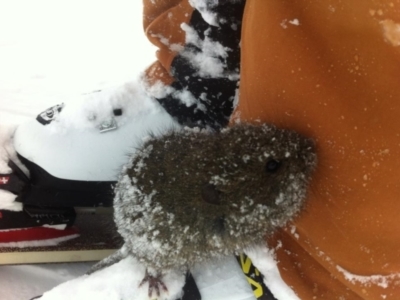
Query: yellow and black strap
[[255, 278]]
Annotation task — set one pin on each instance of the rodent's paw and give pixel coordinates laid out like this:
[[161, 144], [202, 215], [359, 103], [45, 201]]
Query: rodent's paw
[[155, 284]]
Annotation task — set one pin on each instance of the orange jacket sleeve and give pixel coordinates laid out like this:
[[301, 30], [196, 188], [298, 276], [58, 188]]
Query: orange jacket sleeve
[[330, 70], [162, 24]]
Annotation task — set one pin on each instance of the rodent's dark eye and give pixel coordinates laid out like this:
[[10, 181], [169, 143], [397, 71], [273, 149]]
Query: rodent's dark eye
[[272, 166]]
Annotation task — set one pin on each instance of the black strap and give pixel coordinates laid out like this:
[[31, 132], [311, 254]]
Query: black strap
[[44, 189], [190, 290], [15, 181], [49, 115], [215, 95]]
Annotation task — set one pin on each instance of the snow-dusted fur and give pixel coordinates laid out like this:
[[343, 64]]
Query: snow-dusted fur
[[190, 196]]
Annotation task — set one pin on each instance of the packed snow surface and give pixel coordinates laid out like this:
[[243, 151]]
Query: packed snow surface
[[218, 280]]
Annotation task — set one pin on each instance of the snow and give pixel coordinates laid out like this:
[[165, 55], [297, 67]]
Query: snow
[[294, 22], [6, 152], [5, 140], [23, 282], [215, 279], [116, 282], [206, 10], [391, 32], [204, 7], [7, 201], [218, 280], [52, 50], [210, 61], [378, 280], [264, 260], [188, 99], [172, 46]]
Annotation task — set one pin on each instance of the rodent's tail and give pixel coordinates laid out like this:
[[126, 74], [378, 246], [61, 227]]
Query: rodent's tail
[[108, 261]]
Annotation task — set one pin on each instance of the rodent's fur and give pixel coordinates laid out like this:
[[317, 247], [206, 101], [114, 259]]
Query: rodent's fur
[[189, 196]]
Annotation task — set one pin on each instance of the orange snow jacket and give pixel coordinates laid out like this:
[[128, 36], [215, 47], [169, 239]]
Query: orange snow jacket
[[330, 70]]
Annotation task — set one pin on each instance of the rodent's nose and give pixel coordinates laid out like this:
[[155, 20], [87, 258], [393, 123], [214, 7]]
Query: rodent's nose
[[219, 225], [210, 194], [310, 144]]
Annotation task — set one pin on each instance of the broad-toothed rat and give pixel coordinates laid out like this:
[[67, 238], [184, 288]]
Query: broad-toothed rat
[[189, 196]]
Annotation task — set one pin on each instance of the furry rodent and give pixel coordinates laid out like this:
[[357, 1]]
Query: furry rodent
[[189, 196]]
